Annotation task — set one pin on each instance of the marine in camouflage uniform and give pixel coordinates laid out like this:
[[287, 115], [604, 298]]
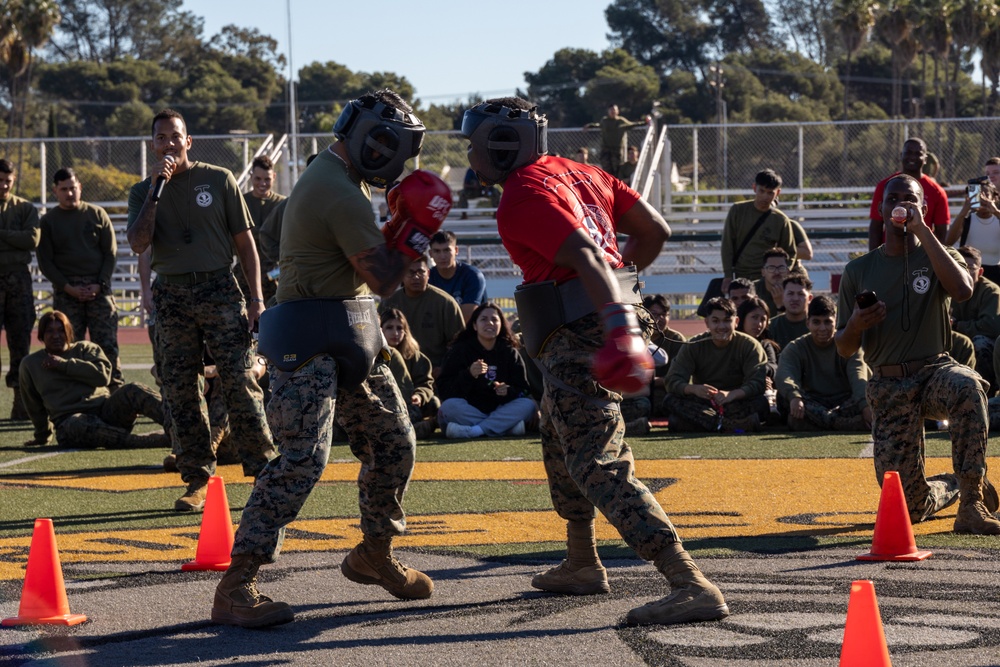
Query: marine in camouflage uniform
[[19, 235], [77, 253], [67, 382], [905, 336], [589, 465], [192, 230], [559, 220], [332, 247]]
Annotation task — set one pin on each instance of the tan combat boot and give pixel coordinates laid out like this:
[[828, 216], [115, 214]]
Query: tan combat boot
[[692, 596], [973, 517], [581, 573], [990, 498], [238, 602], [193, 499], [372, 562]]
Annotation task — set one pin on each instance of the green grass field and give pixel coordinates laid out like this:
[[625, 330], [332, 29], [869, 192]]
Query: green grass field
[[77, 508]]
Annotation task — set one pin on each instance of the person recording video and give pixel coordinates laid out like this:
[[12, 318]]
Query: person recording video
[[978, 223]]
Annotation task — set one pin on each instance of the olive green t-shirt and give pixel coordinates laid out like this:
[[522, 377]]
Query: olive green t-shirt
[[79, 242], [775, 231], [806, 370], [740, 365], [19, 233], [261, 208], [917, 325], [782, 331], [203, 200], [980, 315], [328, 218]]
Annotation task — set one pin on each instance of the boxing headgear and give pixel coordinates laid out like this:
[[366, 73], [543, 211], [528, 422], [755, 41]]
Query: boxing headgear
[[503, 139], [379, 139]]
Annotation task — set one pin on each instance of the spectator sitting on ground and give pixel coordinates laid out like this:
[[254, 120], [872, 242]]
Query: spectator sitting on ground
[[753, 319], [435, 317], [820, 390], [412, 370], [483, 384], [67, 383], [739, 290], [769, 287], [664, 345], [979, 317], [464, 282], [717, 381], [796, 295]]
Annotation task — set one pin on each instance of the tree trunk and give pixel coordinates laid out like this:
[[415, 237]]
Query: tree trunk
[[847, 87]]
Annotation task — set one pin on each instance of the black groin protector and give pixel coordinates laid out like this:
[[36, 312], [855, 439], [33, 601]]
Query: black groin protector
[[294, 332]]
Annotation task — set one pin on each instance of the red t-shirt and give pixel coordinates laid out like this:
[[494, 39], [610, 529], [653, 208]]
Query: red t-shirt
[[546, 201], [937, 202]]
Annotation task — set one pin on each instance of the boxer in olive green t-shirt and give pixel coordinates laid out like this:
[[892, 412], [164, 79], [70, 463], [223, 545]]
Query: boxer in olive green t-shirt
[[332, 248], [905, 336]]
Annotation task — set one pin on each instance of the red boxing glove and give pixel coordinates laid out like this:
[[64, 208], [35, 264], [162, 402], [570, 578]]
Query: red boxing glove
[[623, 365], [419, 205]]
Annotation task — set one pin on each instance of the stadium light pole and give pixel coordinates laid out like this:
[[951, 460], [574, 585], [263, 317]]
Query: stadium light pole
[[293, 115]]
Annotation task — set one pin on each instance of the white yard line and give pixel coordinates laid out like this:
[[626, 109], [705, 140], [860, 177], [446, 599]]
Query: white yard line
[[869, 450], [28, 459]]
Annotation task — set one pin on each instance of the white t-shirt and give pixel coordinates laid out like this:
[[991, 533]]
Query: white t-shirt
[[984, 235]]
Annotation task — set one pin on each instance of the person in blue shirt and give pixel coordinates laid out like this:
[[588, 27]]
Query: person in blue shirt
[[464, 282]]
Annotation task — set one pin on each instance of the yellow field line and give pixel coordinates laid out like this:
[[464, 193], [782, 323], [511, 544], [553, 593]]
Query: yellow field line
[[704, 498]]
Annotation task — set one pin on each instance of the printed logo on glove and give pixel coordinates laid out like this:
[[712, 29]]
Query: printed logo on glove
[[419, 205]]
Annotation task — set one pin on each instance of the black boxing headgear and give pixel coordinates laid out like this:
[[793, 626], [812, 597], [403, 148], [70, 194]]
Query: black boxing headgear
[[379, 139], [503, 139]]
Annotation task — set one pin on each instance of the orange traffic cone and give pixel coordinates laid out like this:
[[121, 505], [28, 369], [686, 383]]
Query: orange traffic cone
[[893, 539], [215, 539], [864, 639], [43, 597]]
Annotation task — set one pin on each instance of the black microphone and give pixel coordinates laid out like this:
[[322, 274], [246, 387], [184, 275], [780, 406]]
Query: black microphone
[[161, 180]]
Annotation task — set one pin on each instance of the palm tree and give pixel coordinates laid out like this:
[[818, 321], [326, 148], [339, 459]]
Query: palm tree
[[894, 25], [968, 21], [25, 26], [853, 19], [990, 48]]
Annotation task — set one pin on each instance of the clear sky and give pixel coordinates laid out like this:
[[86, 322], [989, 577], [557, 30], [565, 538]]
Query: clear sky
[[442, 47]]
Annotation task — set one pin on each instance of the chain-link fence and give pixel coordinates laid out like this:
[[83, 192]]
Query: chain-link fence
[[109, 166], [829, 171], [841, 155]]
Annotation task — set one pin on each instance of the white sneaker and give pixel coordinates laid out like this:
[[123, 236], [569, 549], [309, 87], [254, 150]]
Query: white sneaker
[[458, 431], [517, 429]]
